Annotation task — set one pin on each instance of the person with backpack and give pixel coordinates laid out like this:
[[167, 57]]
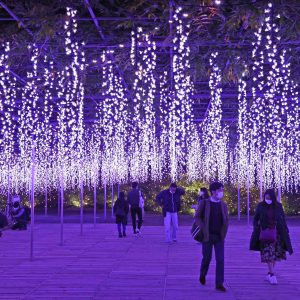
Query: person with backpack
[[136, 201], [212, 217], [121, 209], [170, 202]]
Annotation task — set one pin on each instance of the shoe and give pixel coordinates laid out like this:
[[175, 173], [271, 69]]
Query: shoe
[[273, 279], [202, 280], [124, 234], [137, 231], [220, 287], [120, 235], [267, 278], [174, 240]]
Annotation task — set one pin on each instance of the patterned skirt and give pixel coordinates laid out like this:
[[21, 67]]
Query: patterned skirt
[[271, 252]]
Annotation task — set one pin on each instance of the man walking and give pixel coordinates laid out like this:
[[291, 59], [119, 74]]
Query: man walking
[[133, 199], [212, 217], [169, 200]]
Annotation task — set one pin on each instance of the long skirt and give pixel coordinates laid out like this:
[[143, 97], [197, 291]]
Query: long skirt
[[271, 252]]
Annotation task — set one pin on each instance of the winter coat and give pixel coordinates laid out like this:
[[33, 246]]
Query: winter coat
[[202, 217], [121, 208], [261, 221], [170, 202], [133, 198]]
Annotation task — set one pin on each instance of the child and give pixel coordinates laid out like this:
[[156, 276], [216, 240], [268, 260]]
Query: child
[[121, 209]]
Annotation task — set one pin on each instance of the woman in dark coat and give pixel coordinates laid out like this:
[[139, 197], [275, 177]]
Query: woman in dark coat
[[121, 209], [269, 217], [203, 195]]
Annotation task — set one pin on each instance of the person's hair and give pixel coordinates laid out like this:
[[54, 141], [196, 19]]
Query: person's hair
[[122, 196], [272, 194], [205, 192], [173, 185], [134, 185], [215, 186]]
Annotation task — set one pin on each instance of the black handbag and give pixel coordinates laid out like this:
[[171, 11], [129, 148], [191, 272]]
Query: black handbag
[[197, 232]]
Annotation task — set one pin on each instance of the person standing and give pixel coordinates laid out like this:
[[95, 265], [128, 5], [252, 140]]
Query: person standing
[[133, 198], [212, 217], [121, 209], [203, 195], [270, 233], [170, 202]]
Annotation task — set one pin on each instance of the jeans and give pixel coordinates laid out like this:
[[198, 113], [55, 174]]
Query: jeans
[[218, 244], [171, 226], [120, 225], [136, 211]]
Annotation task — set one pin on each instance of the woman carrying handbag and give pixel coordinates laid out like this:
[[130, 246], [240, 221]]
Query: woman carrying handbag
[[270, 233]]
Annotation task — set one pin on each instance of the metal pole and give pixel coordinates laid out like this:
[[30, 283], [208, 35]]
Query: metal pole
[[58, 197], [239, 202], [239, 195], [81, 206], [261, 179], [8, 191], [46, 194], [248, 196], [105, 202], [95, 203], [112, 200], [279, 181], [62, 207], [171, 44], [32, 199]]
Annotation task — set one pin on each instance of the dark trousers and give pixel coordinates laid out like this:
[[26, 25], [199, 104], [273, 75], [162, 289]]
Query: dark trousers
[[136, 211], [218, 244], [19, 225], [120, 226]]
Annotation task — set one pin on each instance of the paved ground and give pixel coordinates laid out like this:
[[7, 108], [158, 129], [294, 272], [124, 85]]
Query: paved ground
[[99, 265]]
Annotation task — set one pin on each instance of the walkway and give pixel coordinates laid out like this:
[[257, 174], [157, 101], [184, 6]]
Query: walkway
[[99, 265]]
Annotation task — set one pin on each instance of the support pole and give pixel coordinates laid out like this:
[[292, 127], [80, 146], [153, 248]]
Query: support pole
[[112, 200], [239, 195], [248, 196], [105, 201], [46, 194], [279, 181], [95, 203], [32, 200], [8, 191], [81, 206], [62, 208], [171, 44], [261, 179]]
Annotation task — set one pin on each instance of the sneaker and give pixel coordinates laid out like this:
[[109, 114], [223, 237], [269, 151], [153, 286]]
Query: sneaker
[[202, 280], [267, 278], [273, 279], [220, 287], [174, 240], [120, 235], [124, 234]]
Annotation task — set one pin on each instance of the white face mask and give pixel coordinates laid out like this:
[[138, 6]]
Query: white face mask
[[268, 201], [220, 195]]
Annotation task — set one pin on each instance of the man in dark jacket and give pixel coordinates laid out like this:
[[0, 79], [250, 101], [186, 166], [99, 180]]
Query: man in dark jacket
[[169, 200], [133, 199], [212, 217]]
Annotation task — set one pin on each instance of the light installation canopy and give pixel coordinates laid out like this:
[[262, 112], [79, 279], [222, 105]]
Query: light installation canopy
[[146, 130]]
